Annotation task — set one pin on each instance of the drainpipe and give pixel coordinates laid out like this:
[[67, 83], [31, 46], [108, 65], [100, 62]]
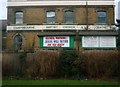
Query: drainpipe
[[86, 15], [77, 41]]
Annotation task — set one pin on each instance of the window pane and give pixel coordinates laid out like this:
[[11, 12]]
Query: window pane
[[102, 20], [69, 16], [51, 20], [19, 17], [50, 14], [101, 16], [69, 13], [50, 17], [19, 21], [18, 42], [68, 20]]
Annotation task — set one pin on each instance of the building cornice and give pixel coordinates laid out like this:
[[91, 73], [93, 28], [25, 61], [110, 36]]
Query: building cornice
[[59, 3]]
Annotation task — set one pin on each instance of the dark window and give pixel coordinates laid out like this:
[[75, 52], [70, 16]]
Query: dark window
[[18, 42], [19, 18], [50, 17], [69, 16], [101, 16]]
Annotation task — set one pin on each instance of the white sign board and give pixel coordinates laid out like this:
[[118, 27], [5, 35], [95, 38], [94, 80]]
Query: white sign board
[[99, 27], [56, 41], [90, 41], [107, 41], [47, 27], [60, 27], [99, 41]]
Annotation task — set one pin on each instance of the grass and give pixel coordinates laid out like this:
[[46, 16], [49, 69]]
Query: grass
[[57, 82]]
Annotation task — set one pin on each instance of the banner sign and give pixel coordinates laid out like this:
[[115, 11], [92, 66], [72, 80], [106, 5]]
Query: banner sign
[[56, 41]]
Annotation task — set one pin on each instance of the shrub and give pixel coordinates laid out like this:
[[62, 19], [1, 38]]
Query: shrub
[[100, 64], [67, 64], [42, 64], [89, 64]]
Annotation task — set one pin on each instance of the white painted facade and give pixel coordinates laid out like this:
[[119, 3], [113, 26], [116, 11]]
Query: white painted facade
[[58, 2]]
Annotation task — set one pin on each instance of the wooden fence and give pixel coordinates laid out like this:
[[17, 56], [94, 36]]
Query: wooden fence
[[38, 64]]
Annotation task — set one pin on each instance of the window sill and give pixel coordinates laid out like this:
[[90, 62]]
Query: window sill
[[69, 23], [50, 23], [17, 24], [100, 24]]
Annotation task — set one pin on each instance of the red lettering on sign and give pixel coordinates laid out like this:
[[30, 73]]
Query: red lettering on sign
[[49, 45], [49, 38], [53, 44], [60, 45], [60, 38]]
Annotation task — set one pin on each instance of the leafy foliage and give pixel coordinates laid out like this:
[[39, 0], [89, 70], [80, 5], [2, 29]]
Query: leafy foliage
[[67, 64]]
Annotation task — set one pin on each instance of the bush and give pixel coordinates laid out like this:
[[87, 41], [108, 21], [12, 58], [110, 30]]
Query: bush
[[100, 64], [67, 64], [89, 64], [42, 64]]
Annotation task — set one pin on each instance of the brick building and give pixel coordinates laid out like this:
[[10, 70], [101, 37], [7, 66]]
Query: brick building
[[68, 24]]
